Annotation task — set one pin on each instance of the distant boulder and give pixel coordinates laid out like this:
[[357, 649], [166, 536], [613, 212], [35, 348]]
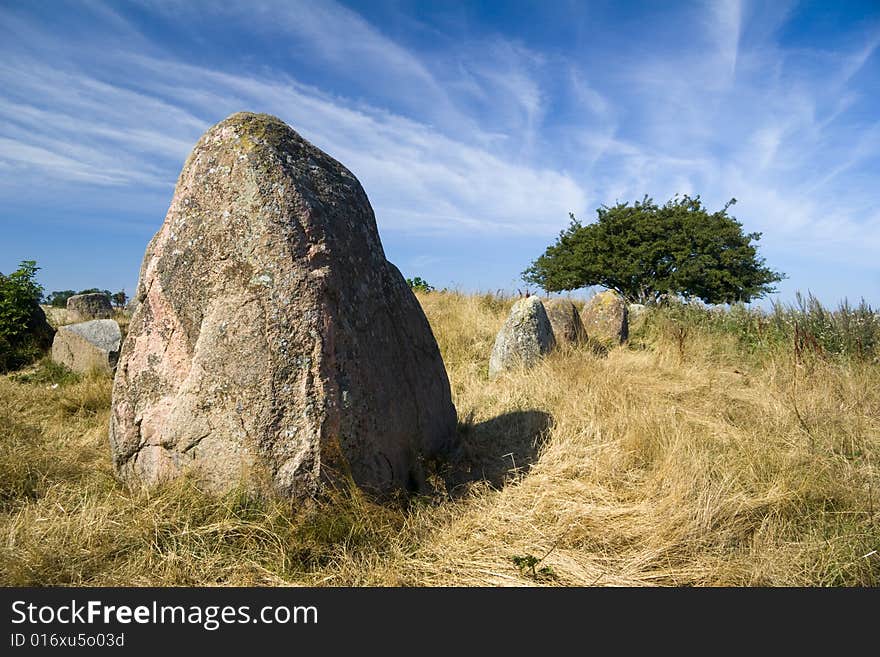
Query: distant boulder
[[525, 337], [606, 317], [86, 346], [565, 321], [86, 307], [132, 306]]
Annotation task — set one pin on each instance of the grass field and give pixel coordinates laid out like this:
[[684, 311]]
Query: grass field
[[692, 456]]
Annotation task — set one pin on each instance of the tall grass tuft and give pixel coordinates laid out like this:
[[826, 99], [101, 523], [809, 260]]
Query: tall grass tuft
[[804, 328]]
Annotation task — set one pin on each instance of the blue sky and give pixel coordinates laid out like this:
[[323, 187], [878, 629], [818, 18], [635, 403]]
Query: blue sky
[[475, 128]]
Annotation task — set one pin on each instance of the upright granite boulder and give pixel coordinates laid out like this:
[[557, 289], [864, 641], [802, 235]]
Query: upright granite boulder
[[605, 317], [88, 346], [525, 337], [86, 307], [272, 342], [568, 329]]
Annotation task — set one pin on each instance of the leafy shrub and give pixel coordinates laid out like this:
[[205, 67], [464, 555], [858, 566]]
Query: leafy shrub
[[23, 329], [420, 284]]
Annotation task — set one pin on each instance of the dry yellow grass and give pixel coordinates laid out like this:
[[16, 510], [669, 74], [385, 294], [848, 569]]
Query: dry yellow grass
[[671, 464]]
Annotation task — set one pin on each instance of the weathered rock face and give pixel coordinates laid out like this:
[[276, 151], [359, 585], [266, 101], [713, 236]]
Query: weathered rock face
[[605, 317], [272, 342], [85, 307], [524, 338], [88, 345], [565, 320]]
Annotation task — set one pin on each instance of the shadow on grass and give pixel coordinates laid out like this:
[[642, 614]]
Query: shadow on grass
[[495, 451]]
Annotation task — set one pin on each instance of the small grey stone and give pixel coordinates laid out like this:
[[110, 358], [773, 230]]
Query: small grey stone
[[85, 307], [88, 345], [525, 337]]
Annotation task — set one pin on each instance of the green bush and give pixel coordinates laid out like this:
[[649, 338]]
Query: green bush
[[420, 284], [24, 333]]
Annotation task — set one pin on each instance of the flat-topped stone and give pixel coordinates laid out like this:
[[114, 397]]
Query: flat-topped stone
[[92, 345]]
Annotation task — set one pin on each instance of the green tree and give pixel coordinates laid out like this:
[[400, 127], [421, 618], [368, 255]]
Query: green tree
[[22, 335], [644, 251], [58, 298], [420, 284], [94, 290], [119, 298]]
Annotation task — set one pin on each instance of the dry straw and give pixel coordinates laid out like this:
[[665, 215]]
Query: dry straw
[[678, 460]]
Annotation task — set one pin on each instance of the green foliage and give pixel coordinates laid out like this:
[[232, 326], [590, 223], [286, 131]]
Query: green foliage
[[58, 298], [646, 252], [527, 564], [20, 296], [419, 284]]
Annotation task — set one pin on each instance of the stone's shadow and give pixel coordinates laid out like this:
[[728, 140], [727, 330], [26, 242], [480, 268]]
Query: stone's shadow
[[494, 451]]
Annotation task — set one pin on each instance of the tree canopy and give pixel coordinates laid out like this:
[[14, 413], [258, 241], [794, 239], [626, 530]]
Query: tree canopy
[[644, 251]]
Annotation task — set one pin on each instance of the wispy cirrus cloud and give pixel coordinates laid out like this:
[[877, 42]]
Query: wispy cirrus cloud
[[418, 178], [477, 133]]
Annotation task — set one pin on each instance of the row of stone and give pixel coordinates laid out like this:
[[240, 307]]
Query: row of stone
[[93, 340], [532, 329], [536, 327]]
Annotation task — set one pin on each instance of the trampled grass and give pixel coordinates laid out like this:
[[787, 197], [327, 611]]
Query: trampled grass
[[681, 459]]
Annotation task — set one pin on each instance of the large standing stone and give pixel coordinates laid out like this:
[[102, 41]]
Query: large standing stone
[[524, 338], [605, 317], [272, 342], [85, 307], [565, 320], [88, 346]]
